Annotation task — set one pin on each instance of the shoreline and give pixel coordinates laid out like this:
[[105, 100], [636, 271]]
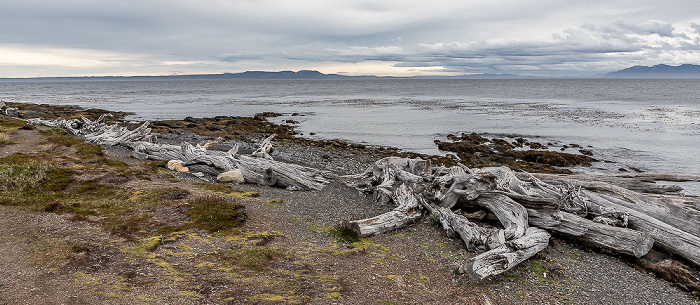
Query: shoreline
[[470, 149], [563, 272]]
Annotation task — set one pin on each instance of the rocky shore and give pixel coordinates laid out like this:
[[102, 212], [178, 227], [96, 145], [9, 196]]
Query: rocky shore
[[312, 263]]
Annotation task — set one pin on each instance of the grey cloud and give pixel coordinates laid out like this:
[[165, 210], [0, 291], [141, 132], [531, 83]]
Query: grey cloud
[[461, 36]]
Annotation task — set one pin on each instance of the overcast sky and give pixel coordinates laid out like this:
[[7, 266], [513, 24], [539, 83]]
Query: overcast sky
[[354, 37]]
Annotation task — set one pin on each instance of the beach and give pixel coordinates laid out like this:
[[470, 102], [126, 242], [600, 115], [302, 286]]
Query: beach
[[299, 259]]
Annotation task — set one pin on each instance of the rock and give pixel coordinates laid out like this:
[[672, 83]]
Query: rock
[[232, 176], [176, 165]]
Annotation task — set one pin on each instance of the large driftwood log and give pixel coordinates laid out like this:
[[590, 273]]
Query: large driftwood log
[[621, 240], [475, 237], [669, 237], [502, 259], [408, 211], [511, 214]]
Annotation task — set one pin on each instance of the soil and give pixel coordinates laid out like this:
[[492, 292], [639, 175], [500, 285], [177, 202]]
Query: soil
[[50, 258]]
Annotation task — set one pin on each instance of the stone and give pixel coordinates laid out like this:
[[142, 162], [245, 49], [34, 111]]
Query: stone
[[176, 165], [232, 176]]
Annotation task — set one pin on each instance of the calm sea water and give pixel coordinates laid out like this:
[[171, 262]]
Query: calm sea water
[[652, 125]]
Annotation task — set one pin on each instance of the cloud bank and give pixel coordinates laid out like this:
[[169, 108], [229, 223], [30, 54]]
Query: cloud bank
[[540, 38]]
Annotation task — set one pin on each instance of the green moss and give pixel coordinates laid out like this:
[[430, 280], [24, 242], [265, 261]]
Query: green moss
[[143, 249], [334, 295], [7, 124], [252, 257], [215, 213], [189, 294], [226, 190], [345, 235]]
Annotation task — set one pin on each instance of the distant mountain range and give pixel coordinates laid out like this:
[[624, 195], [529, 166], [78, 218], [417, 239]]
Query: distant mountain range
[[658, 71], [302, 74]]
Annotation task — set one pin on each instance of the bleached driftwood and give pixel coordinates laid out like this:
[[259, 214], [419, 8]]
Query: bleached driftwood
[[6, 110], [407, 211], [262, 170], [617, 239], [502, 259], [600, 214]]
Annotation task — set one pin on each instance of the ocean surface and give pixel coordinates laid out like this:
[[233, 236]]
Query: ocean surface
[[649, 124]]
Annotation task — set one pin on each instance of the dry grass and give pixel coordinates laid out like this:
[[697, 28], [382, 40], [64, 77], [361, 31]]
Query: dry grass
[[6, 139]]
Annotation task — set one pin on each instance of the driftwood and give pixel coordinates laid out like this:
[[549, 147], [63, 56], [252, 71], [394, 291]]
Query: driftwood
[[502, 259], [407, 212], [6, 110], [260, 170], [627, 214], [601, 214]]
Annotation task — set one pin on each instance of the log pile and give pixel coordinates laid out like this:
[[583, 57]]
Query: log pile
[[626, 214], [601, 214], [258, 168]]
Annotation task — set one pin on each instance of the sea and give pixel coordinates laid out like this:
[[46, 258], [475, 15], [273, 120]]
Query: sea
[[649, 125]]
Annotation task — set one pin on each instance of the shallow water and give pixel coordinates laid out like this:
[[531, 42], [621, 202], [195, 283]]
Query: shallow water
[[652, 125]]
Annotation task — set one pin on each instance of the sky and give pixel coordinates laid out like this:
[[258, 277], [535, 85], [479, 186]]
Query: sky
[[40, 38]]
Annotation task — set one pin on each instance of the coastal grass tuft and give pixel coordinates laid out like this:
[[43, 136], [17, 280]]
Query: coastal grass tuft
[[215, 213], [6, 139], [226, 190], [86, 152], [345, 235], [8, 124], [251, 257], [53, 252]]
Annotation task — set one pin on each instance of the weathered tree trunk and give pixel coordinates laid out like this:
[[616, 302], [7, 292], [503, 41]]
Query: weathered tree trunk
[[621, 240], [669, 237], [512, 215], [407, 211], [502, 259], [475, 237]]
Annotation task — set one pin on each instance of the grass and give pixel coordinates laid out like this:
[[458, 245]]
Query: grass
[[225, 189], [215, 213], [86, 152], [252, 257], [345, 235], [6, 139], [42, 182], [53, 253], [8, 124]]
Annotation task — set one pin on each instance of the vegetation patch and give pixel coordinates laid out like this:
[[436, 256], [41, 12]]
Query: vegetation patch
[[8, 124], [226, 189], [345, 235], [54, 253], [215, 213], [252, 257], [88, 153], [6, 139]]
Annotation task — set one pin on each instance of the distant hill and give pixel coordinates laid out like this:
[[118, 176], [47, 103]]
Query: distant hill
[[302, 74], [477, 76], [658, 71]]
